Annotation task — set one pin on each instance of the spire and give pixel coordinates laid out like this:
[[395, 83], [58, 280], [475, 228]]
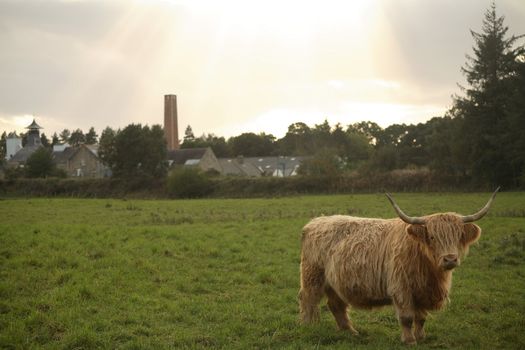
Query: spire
[[34, 126], [33, 135]]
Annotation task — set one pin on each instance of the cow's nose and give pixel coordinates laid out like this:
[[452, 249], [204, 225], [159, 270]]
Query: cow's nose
[[450, 259]]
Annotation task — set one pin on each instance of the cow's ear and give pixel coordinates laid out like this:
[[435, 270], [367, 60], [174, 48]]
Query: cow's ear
[[471, 233], [418, 232]]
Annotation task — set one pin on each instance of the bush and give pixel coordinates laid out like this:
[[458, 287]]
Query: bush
[[40, 164], [326, 163], [188, 183]]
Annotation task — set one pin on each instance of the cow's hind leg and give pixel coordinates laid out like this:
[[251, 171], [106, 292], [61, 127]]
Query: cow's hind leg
[[339, 310], [419, 320], [312, 290]]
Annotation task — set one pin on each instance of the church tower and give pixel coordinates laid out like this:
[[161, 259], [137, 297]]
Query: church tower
[[33, 135]]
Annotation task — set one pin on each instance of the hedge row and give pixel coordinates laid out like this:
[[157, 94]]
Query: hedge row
[[84, 188], [395, 181]]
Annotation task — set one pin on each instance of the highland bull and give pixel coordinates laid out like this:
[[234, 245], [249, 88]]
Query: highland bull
[[407, 262]]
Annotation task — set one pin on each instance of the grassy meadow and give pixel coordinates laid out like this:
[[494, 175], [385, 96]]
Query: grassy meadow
[[221, 273]]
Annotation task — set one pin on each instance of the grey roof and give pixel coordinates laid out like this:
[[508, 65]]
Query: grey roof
[[234, 167], [93, 149], [22, 155], [181, 156], [285, 165], [61, 157], [257, 166]]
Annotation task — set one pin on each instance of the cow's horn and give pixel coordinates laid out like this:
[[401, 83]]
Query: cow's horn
[[482, 212], [403, 216]]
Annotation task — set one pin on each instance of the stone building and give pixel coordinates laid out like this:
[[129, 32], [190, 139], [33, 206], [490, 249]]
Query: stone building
[[81, 161], [202, 158]]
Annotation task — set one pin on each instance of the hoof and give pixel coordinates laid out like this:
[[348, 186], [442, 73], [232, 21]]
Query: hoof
[[350, 329], [410, 342], [420, 336], [353, 330]]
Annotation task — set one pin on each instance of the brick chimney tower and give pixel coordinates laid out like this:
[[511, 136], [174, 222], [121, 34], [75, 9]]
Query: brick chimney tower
[[171, 130]]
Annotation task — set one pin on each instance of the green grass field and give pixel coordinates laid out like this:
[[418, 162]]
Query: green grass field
[[82, 274]]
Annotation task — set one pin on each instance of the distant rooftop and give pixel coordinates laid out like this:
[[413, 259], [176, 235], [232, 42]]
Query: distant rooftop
[[181, 156], [22, 155]]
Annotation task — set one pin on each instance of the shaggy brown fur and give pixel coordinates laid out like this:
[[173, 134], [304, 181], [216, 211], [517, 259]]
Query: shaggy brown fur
[[373, 262]]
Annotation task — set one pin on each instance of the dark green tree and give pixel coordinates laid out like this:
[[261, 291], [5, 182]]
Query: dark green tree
[[106, 149], [351, 147], [384, 158], [325, 163], [139, 151], [77, 137], [188, 135], [372, 131], [297, 141], [55, 140], [514, 144], [321, 136], [40, 164], [357, 148], [483, 109], [393, 135], [188, 183], [44, 140], [91, 136], [3, 145], [64, 135], [252, 145]]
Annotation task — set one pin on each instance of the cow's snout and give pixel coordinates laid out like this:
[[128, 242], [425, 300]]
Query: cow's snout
[[450, 261]]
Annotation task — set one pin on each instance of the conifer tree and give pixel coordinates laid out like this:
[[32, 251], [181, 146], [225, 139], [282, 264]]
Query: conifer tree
[[91, 136], [483, 108]]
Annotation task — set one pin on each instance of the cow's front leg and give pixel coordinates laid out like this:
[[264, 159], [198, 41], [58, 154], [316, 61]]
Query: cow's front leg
[[419, 320], [405, 316]]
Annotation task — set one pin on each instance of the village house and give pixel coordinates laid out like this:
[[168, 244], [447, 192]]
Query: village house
[[280, 166], [81, 161], [201, 158], [205, 160]]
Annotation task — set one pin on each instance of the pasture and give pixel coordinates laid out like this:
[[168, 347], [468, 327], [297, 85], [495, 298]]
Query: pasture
[[220, 273]]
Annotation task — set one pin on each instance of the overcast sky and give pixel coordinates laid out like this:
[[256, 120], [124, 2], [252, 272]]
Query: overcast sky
[[236, 66]]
